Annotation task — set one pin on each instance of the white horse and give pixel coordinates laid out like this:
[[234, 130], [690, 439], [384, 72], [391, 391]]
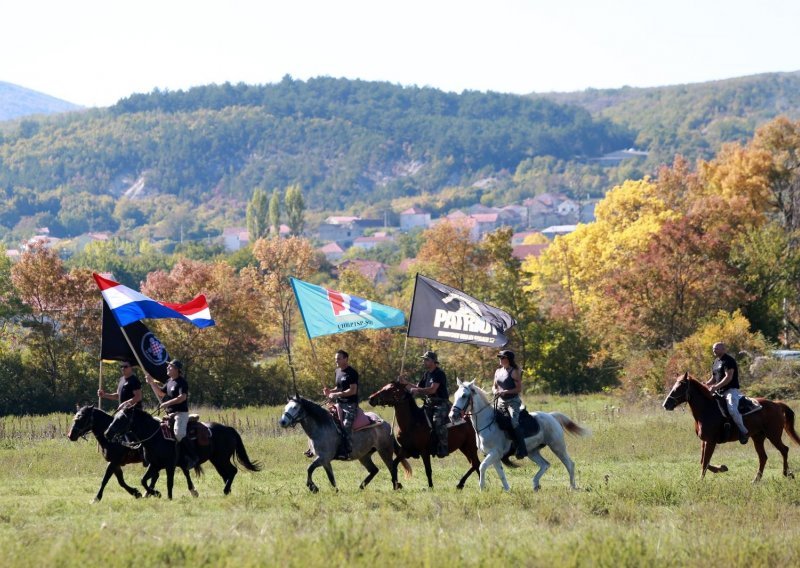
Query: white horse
[[493, 441]]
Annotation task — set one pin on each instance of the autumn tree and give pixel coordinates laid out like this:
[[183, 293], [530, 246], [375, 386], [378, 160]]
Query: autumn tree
[[219, 359], [449, 255], [275, 212]]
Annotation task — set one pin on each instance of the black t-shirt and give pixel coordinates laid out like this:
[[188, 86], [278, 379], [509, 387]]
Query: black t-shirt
[[126, 388], [435, 376], [175, 388], [344, 378], [719, 368]]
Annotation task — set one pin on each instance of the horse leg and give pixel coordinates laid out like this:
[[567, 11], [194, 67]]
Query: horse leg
[[110, 468], [189, 483], [475, 463], [310, 471], [366, 461], [170, 480], [705, 460], [426, 461], [498, 466], [386, 451], [121, 480], [227, 471], [775, 439], [329, 470], [543, 464], [560, 450], [758, 443], [151, 476]]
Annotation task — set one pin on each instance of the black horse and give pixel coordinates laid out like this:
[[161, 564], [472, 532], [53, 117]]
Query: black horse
[[91, 419], [223, 443]]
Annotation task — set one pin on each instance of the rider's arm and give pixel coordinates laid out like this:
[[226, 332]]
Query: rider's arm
[[157, 390], [725, 380], [351, 390], [133, 401], [173, 401], [108, 395], [427, 391]]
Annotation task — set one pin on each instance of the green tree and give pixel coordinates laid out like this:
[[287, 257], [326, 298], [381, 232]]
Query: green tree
[[258, 211], [295, 210]]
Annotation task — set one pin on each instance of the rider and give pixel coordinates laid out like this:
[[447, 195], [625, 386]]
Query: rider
[[507, 387], [174, 397], [436, 406], [129, 389], [346, 396], [725, 381]]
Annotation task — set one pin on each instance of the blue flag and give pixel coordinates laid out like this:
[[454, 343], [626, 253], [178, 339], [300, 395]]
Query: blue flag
[[327, 311]]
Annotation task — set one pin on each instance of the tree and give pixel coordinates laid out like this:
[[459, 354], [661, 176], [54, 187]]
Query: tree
[[275, 212], [449, 255], [258, 211], [295, 210]]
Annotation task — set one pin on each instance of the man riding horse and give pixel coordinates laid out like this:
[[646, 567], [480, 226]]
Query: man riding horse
[[433, 386]]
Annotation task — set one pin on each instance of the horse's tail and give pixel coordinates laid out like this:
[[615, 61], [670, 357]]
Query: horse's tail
[[241, 454], [788, 422], [570, 426], [403, 461]]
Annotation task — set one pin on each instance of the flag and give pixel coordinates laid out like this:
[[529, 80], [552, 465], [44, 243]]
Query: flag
[[128, 305], [328, 311], [441, 312], [150, 350]]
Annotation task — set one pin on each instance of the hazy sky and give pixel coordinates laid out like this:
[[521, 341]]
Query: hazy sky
[[94, 52]]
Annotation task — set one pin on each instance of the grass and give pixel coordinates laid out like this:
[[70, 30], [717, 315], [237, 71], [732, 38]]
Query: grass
[[641, 502]]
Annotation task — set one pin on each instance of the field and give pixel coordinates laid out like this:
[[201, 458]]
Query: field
[[640, 503]]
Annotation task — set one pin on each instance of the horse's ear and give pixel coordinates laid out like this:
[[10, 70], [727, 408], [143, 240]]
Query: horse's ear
[[458, 382]]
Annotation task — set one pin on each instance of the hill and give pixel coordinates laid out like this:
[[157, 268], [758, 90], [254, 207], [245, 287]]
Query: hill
[[18, 102], [349, 144], [693, 119]]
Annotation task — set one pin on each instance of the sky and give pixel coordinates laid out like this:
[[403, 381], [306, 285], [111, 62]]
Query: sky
[[95, 52]]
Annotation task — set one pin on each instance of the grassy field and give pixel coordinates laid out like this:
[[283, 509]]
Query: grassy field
[[640, 503]]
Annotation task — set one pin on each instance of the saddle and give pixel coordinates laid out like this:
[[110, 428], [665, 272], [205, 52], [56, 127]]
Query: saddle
[[746, 406], [196, 431], [530, 426], [362, 421]]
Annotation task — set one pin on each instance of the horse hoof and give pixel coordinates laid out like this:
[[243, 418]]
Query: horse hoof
[[137, 495], [313, 488], [723, 468], [398, 485], [460, 486], [95, 500], [194, 493], [790, 475]]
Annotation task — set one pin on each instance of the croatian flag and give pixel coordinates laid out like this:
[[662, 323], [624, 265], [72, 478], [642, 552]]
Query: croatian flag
[[327, 311], [128, 305]]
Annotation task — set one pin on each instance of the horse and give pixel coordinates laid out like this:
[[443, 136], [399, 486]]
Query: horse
[[414, 432], [767, 423], [323, 435], [160, 452], [493, 441], [94, 420]]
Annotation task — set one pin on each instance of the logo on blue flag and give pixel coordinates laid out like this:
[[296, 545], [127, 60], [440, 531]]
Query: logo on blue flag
[[326, 312]]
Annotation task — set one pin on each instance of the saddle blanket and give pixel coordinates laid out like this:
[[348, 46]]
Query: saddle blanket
[[363, 419]]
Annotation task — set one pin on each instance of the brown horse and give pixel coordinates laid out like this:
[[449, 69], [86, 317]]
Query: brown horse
[[414, 433], [767, 423]]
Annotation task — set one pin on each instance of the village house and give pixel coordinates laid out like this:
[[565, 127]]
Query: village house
[[372, 270], [413, 218]]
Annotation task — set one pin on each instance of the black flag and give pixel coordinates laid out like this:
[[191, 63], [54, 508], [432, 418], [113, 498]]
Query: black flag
[[444, 313], [150, 350]]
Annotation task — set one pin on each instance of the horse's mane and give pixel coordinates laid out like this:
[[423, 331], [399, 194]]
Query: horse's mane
[[701, 386], [481, 393], [314, 410]]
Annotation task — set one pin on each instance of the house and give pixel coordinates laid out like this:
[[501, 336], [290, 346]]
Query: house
[[617, 157], [341, 219], [81, 241], [13, 254], [235, 238], [522, 252], [558, 230], [368, 243], [43, 240], [413, 218], [568, 208], [519, 238], [346, 231], [372, 270], [332, 251]]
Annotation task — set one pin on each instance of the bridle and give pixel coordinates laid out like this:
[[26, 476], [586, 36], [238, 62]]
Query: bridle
[[463, 411], [673, 397], [82, 416], [137, 443], [294, 419]]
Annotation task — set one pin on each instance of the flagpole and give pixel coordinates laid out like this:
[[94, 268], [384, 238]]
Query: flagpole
[[100, 386], [135, 353]]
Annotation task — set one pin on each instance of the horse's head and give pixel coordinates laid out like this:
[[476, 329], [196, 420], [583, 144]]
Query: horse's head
[[120, 425], [389, 395], [292, 413], [81, 423], [679, 392], [462, 399]]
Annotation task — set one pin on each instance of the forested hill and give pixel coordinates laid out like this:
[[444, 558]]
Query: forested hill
[[343, 141], [693, 119], [17, 102]]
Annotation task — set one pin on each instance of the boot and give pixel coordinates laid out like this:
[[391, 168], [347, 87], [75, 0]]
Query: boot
[[441, 444], [743, 437], [345, 446], [189, 457], [522, 451]]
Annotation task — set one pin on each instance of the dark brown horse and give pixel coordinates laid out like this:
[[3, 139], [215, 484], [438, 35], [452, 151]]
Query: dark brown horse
[[414, 434], [767, 423]]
